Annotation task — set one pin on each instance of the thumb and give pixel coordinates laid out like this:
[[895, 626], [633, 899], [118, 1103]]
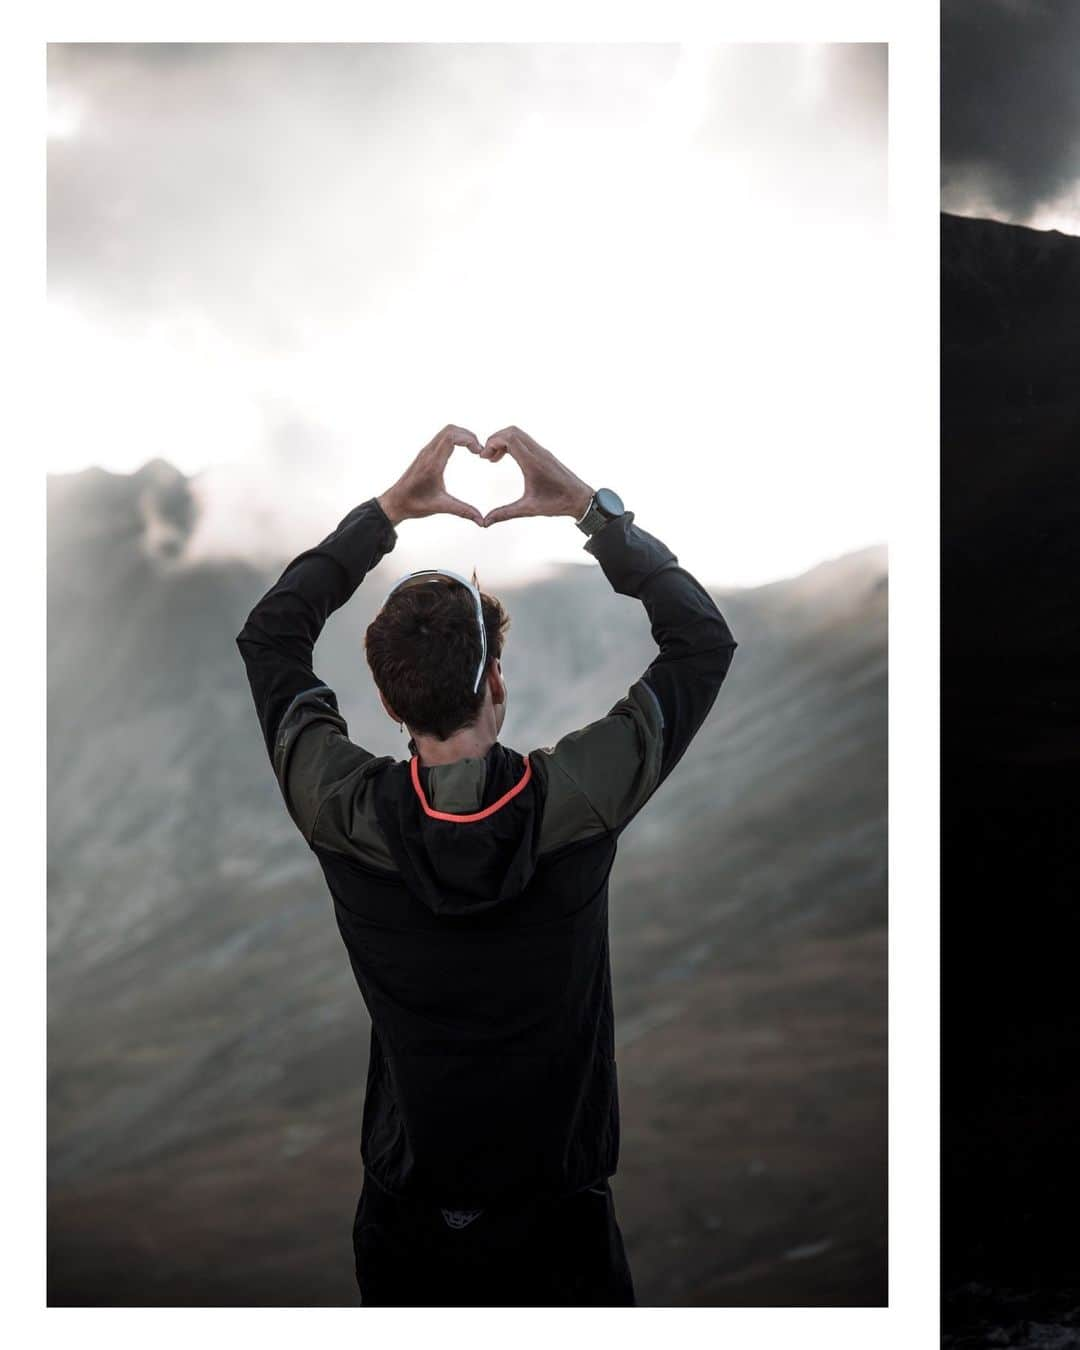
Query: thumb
[[454, 506], [511, 511]]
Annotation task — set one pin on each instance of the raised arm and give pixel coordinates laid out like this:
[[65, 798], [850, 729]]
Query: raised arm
[[599, 776], [695, 649], [277, 640], [305, 734]]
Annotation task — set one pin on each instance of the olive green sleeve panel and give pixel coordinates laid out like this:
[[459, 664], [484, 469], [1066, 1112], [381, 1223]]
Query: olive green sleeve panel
[[325, 779], [345, 819], [599, 776]]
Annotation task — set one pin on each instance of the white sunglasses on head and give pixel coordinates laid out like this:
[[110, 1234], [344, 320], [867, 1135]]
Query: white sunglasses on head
[[443, 574]]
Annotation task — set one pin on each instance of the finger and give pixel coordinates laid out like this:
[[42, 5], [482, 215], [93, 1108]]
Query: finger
[[530, 442], [463, 436], [500, 438], [523, 439], [511, 511], [443, 444], [435, 445], [504, 442], [454, 506]]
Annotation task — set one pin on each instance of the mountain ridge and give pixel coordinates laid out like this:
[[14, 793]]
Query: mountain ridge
[[169, 491]]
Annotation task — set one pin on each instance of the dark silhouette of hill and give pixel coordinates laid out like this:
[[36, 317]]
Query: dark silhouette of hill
[[207, 1045], [1010, 643]]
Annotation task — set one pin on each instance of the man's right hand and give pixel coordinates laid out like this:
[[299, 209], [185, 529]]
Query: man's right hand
[[550, 487]]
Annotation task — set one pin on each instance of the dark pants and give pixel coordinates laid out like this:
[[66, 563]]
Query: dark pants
[[565, 1253]]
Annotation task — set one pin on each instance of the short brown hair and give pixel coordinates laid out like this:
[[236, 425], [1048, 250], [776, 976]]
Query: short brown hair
[[423, 647]]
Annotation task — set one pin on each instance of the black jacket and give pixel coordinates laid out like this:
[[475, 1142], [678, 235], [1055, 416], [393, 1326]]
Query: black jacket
[[472, 897]]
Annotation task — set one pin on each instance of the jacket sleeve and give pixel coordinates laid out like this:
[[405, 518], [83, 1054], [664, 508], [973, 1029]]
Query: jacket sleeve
[[600, 776], [305, 734]]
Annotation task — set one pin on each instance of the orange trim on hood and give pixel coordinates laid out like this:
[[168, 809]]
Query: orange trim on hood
[[522, 782]]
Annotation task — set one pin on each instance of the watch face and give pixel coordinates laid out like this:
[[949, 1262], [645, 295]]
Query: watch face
[[609, 502]]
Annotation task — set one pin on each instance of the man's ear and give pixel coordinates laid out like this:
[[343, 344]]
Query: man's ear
[[390, 712], [496, 683]]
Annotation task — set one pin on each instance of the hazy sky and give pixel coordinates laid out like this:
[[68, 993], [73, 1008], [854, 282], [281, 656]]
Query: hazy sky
[[283, 268], [1010, 111]]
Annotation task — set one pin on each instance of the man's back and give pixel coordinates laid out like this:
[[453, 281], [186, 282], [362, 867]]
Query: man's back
[[492, 1075]]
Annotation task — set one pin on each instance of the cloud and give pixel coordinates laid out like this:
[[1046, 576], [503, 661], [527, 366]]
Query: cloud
[[279, 188], [284, 267], [1010, 109], [275, 189]]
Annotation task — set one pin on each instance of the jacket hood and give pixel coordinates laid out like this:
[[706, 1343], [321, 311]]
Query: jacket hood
[[464, 835]]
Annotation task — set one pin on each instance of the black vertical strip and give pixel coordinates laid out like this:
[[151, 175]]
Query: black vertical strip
[[1010, 778]]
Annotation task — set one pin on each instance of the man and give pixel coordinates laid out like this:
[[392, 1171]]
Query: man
[[470, 886]]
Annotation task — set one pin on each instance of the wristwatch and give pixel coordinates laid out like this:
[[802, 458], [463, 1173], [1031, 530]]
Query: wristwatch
[[604, 506]]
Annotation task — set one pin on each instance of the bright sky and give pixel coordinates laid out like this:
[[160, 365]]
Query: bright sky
[[283, 269]]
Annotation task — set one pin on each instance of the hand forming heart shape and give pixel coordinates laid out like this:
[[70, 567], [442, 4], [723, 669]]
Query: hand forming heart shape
[[551, 489]]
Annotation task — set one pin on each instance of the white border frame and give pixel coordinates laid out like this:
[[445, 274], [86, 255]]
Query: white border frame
[[910, 429]]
